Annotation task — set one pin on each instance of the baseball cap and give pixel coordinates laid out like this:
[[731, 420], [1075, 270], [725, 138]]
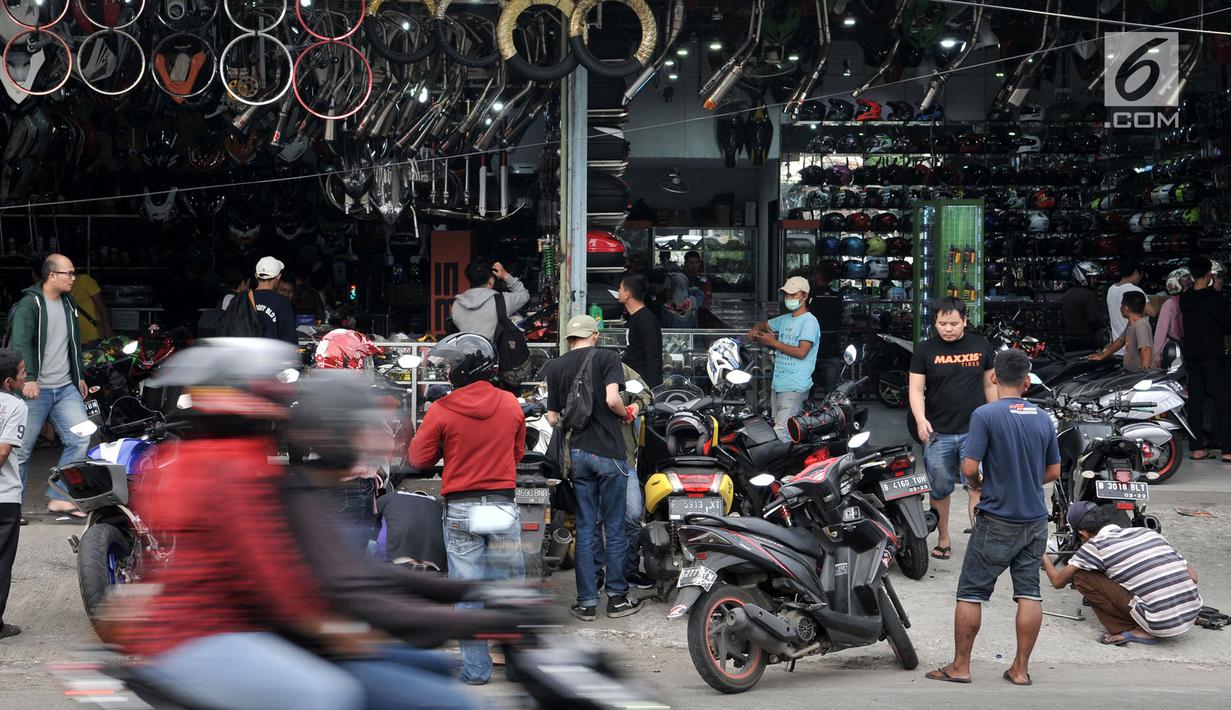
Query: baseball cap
[[796, 284], [1077, 511], [581, 327], [269, 268]]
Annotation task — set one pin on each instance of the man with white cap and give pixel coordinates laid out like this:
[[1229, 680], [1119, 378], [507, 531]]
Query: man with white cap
[[794, 335], [274, 309]]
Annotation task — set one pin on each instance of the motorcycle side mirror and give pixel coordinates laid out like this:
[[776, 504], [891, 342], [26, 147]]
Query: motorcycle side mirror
[[634, 387], [288, 376], [738, 377], [1035, 379], [409, 362], [762, 480], [1143, 385], [84, 429], [94, 389], [130, 347], [184, 401], [859, 439], [850, 355]]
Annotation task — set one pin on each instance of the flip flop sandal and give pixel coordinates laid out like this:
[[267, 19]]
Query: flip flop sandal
[[943, 676], [1130, 637], [1202, 458], [1010, 679], [946, 553], [1105, 639]]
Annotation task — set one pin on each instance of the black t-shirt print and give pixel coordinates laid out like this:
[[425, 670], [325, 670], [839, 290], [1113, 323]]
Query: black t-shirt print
[[602, 436], [954, 371], [276, 314]]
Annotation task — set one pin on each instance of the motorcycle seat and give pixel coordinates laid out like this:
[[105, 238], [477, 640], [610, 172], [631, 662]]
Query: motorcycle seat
[[797, 539]]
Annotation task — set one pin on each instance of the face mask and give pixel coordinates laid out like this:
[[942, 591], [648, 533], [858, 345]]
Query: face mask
[[792, 304]]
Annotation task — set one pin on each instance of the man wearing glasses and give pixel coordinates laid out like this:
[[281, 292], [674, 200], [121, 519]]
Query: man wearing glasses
[[44, 329]]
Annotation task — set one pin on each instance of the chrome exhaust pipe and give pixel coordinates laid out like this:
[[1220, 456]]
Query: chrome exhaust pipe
[[557, 546]]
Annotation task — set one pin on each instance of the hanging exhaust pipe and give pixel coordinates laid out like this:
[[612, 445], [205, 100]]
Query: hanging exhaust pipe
[[893, 27], [937, 83], [729, 74], [675, 24], [806, 86], [1011, 96]]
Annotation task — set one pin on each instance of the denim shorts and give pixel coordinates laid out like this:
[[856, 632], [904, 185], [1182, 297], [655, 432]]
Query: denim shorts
[[942, 459], [997, 544]]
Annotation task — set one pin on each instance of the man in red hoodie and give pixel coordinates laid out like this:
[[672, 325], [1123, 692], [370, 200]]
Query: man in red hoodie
[[481, 433]]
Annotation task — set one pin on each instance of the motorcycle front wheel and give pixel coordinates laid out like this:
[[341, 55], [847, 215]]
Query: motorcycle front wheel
[[891, 388], [895, 633], [1172, 458], [913, 555], [727, 662], [104, 558]]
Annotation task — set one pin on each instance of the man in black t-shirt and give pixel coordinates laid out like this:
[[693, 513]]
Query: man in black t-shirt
[[826, 305], [274, 309], [599, 469], [645, 336], [950, 377]]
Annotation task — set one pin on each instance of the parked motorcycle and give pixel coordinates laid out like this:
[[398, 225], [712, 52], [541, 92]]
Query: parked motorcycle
[[892, 366], [807, 577], [115, 543]]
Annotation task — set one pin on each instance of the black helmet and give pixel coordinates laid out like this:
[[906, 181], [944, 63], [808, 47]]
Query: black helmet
[[331, 408], [840, 110], [469, 358]]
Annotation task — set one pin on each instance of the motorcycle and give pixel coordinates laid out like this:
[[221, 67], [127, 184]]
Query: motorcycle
[[116, 543], [892, 364], [807, 577]]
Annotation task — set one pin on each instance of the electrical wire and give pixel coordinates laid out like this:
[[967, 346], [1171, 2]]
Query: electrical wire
[[1067, 16], [669, 124]]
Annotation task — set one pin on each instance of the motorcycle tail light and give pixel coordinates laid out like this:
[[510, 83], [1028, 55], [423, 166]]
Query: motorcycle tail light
[[900, 466], [1124, 506], [698, 482], [72, 476], [1123, 475], [674, 479], [531, 527]]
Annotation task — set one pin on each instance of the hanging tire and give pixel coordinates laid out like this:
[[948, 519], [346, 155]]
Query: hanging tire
[[508, 50], [891, 388], [104, 559], [895, 633], [379, 19], [913, 555], [1175, 449], [743, 662], [578, 40], [441, 26]]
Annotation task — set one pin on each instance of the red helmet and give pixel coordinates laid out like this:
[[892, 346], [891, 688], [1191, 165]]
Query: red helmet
[[901, 270], [343, 349], [897, 246], [858, 222], [1107, 246], [1044, 199], [868, 110]]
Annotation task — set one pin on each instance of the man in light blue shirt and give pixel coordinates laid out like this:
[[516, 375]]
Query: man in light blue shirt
[[794, 335]]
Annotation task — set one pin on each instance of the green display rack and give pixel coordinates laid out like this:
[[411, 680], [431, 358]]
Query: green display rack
[[948, 259]]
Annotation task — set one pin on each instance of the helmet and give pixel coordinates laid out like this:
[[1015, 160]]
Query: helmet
[[868, 110], [873, 197], [944, 143], [822, 145], [812, 110], [839, 175], [900, 270], [972, 142], [897, 246], [885, 222], [865, 175], [469, 358], [1217, 268], [1029, 143], [936, 113], [1137, 223], [858, 222], [992, 272], [879, 143], [332, 411], [902, 111], [812, 175], [878, 267], [1062, 270], [853, 245], [1030, 112], [840, 110], [850, 143], [1044, 199], [833, 222], [854, 269], [1085, 273], [876, 245], [907, 143], [991, 221], [722, 357], [1179, 280], [687, 433], [160, 210], [1038, 222], [343, 349], [244, 230], [827, 246]]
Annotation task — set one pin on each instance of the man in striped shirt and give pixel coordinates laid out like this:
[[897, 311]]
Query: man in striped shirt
[[1135, 581]]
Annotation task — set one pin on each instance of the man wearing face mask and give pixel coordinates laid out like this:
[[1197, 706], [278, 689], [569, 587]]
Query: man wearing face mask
[[793, 336]]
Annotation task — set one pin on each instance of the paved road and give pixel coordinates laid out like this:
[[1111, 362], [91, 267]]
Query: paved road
[[1070, 668]]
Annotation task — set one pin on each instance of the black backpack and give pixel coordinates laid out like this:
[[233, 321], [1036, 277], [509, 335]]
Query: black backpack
[[512, 351], [240, 319], [579, 402]]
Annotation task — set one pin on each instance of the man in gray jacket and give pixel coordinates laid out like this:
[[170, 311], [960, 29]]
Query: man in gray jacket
[[473, 309]]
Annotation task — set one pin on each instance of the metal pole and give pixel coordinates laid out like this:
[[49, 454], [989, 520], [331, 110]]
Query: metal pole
[[573, 181]]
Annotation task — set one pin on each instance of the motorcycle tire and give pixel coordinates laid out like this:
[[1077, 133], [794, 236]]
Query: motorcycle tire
[[616, 69], [895, 633], [104, 551], [891, 389], [913, 556], [440, 24], [708, 610], [1176, 448], [508, 50], [376, 40]]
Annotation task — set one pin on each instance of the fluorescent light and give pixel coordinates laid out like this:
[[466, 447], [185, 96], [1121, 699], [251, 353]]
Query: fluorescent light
[[716, 46], [948, 43], [792, 57], [498, 106], [682, 52], [669, 63], [849, 21], [673, 76], [999, 75]]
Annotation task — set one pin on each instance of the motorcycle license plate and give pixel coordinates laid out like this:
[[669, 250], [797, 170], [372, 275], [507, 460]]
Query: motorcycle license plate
[[906, 486], [703, 577], [677, 508], [93, 408], [1111, 490], [532, 496]]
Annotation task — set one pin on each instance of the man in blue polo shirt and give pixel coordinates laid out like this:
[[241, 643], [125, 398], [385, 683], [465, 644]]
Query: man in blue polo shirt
[[1016, 444], [794, 335]]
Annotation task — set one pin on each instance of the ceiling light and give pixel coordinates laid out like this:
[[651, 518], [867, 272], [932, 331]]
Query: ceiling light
[[999, 75], [849, 21], [716, 46], [792, 57], [846, 67], [669, 63], [948, 43], [812, 125], [498, 106], [673, 76], [682, 52]]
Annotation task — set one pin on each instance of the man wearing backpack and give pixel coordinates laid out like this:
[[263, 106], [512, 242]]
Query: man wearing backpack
[[276, 314], [583, 397], [44, 329], [475, 309]]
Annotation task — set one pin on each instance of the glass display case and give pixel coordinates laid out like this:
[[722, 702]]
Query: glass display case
[[728, 255], [949, 252]]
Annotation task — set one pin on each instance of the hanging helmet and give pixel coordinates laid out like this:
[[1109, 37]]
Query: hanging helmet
[[161, 209], [878, 267], [207, 157], [723, 356], [343, 349], [1136, 223], [822, 145], [1187, 192], [160, 152], [1190, 217], [203, 203], [900, 270], [840, 110], [858, 222], [828, 246], [688, 433], [1029, 143], [468, 357], [897, 246], [868, 110], [1179, 280], [854, 269], [333, 410], [1038, 222], [879, 143], [876, 245], [833, 222], [853, 245], [243, 230], [907, 143], [885, 222]]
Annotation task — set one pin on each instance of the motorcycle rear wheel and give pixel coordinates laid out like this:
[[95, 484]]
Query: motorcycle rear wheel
[[743, 662], [895, 633], [1176, 450], [913, 555], [104, 559], [891, 388]]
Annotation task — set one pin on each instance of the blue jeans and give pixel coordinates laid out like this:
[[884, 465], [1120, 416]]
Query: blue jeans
[[354, 502], [995, 545], [601, 485], [387, 679], [66, 409], [481, 556], [942, 459], [633, 503]]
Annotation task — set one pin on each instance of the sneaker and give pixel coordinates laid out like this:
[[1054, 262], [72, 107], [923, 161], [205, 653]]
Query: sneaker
[[619, 607], [640, 580], [585, 613], [7, 630]]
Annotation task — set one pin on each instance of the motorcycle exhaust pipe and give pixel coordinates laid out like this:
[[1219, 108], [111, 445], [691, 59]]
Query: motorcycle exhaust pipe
[[557, 547], [932, 519], [1153, 523], [740, 622]]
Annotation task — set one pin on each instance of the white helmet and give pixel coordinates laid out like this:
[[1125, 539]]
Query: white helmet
[[722, 357], [1084, 272], [160, 211], [1039, 222], [878, 267], [1029, 143], [1179, 280]]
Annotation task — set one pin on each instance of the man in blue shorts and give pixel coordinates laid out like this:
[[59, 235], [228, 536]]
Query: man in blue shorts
[[1016, 444]]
